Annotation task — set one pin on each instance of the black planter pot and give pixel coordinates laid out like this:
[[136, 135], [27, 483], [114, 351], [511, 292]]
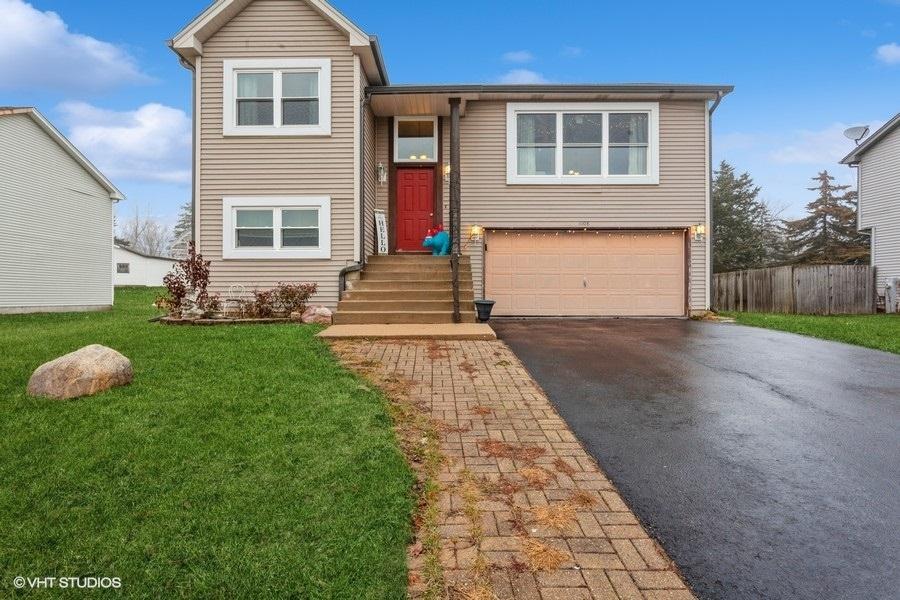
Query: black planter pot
[[484, 308]]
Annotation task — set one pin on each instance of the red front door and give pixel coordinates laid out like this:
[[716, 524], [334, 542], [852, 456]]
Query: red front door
[[415, 207]]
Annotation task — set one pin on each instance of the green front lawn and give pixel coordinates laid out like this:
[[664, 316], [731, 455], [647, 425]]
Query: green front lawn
[[881, 332], [243, 461]]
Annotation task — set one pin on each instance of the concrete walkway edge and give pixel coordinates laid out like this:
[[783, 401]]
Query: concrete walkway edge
[[408, 331]]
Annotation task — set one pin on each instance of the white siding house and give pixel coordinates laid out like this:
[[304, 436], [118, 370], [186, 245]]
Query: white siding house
[[56, 232], [878, 163], [136, 268]]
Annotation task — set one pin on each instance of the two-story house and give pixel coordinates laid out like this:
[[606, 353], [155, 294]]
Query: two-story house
[[563, 200], [877, 160]]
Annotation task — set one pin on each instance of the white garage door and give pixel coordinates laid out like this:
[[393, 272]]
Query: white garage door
[[586, 273]]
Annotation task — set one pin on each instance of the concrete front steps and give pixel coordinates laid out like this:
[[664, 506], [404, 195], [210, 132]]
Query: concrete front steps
[[407, 289]]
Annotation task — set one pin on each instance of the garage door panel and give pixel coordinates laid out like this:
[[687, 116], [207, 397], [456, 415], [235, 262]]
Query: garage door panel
[[503, 262], [523, 282], [622, 262], [550, 281], [668, 263], [597, 263], [546, 302], [666, 283], [638, 273], [572, 261], [543, 262], [570, 281]]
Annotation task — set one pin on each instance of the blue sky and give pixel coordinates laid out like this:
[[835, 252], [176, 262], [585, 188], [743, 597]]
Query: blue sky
[[803, 72]]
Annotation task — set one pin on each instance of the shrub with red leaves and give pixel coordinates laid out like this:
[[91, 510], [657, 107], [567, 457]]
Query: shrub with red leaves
[[292, 297]]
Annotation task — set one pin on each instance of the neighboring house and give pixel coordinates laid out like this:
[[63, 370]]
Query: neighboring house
[[137, 268], [56, 229], [572, 199], [877, 160]]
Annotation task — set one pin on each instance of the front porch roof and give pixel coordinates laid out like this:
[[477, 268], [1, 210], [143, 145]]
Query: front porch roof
[[393, 100]]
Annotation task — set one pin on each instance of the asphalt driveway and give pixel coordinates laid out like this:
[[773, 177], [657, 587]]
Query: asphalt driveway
[[766, 463]]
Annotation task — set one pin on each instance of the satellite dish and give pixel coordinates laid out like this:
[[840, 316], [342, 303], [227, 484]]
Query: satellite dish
[[856, 133]]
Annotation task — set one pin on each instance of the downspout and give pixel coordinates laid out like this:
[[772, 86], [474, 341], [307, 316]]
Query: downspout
[[454, 205], [361, 259], [194, 84], [711, 232]]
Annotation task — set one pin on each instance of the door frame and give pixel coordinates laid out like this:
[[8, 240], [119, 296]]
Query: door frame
[[437, 167]]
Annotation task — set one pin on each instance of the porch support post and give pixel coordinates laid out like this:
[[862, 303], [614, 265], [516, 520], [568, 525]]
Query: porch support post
[[454, 203]]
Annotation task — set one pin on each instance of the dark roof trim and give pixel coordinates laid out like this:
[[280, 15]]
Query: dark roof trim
[[853, 157], [379, 60], [646, 88]]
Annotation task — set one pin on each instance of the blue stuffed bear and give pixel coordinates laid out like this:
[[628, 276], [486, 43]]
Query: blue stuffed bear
[[439, 242]]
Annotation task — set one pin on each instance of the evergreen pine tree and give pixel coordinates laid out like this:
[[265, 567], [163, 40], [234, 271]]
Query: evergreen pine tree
[[828, 234], [746, 234]]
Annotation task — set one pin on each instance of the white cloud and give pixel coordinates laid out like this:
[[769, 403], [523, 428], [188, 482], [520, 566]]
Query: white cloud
[[820, 147], [824, 147], [152, 143], [521, 76], [518, 56], [889, 54], [572, 51], [38, 50]]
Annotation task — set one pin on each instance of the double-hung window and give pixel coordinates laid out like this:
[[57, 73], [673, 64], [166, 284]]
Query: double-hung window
[[269, 97], [276, 227], [582, 143]]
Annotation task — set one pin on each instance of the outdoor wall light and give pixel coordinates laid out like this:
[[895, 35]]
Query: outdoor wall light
[[476, 231], [381, 173], [446, 171], [698, 231]]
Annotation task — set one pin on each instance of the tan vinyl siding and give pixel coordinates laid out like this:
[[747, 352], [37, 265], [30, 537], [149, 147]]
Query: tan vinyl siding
[[879, 205], [382, 137], [369, 179], [278, 166], [677, 202], [56, 228]]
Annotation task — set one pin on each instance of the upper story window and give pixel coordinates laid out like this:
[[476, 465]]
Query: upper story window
[[276, 227], [582, 143], [415, 139], [265, 97]]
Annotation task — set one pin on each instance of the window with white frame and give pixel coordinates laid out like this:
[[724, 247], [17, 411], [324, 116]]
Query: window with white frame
[[276, 227], [582, 143], [415, 139], [277, 97]]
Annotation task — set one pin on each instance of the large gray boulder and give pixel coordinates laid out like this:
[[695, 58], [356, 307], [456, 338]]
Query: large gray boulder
[[85, 372]]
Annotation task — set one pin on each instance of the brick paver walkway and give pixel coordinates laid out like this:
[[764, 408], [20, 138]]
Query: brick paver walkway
[[525, 512]]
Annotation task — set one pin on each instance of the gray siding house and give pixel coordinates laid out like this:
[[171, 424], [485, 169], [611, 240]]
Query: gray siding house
[[56, 234], [877, 160], [570, 200]]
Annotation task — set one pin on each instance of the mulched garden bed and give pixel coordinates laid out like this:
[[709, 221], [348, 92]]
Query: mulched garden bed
[[226, 321]]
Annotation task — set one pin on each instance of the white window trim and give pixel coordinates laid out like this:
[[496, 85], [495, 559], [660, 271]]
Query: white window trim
[[231, 204], [230, 70], [434, 151], [513, 109]]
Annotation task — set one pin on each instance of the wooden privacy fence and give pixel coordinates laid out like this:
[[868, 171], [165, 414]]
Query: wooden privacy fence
[[815, 290]]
